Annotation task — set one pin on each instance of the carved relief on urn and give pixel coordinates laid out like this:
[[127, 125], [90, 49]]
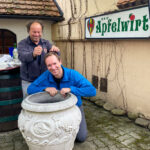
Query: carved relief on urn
[[49, 123]]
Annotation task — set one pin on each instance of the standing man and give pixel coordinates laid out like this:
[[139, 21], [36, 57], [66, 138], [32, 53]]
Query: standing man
[[65, 80], [31, 52]]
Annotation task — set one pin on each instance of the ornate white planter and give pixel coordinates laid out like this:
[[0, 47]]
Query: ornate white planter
[[49, 123]]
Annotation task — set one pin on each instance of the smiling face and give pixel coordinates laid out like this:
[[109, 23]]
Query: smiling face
[[54, 66], [35, 32]]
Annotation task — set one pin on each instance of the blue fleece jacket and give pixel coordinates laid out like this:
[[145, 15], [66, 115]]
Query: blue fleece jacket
[[72, 79]]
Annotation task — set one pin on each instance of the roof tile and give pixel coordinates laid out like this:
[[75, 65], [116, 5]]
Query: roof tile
[[29, 7], [130, 3]]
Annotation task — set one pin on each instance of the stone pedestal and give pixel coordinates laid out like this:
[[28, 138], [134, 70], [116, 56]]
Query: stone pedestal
[[49, 123]]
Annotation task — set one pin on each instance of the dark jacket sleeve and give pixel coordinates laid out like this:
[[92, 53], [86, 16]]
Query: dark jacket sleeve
[[24, 53]]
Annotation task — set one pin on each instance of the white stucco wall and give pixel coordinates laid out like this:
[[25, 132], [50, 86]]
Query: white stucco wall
[[18, 26], [125, 62]]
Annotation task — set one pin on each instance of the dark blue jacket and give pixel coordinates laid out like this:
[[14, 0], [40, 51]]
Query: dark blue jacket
[[72, 79], [31, 67]]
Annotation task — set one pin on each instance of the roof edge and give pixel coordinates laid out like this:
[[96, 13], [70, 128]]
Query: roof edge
[[52, 18]]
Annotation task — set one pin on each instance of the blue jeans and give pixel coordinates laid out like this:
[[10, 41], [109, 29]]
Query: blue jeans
[[82, 133], [25, 85]]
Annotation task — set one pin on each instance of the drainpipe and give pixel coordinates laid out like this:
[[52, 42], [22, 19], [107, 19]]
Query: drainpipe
[[61, 12]]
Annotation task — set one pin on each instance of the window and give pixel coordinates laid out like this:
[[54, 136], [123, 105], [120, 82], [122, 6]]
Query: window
[[7, 39]]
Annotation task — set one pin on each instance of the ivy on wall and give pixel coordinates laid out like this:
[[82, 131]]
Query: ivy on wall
[[107, 55]]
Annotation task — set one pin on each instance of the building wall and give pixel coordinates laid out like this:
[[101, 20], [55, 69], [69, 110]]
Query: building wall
[[18, 26], [124, 63]]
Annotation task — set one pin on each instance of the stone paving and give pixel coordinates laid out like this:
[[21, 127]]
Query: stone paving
[[106, 132], [109, 132]]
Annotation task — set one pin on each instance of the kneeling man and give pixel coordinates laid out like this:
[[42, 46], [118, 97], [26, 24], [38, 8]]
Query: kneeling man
[[58, 78]]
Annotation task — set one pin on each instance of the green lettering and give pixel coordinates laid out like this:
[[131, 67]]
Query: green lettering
[[109, 25], [118, 24], [132, 23], [104, 28], [124, 25], [113, 27], [98, 27], [145, 26], [138, 24]]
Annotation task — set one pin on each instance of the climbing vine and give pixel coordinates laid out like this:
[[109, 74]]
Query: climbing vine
[[105, 56]]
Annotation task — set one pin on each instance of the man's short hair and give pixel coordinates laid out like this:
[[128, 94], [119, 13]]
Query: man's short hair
[[35, 21], [52, 53]]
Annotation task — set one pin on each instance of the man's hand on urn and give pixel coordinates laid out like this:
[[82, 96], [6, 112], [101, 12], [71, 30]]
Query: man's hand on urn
[[51, 90], [64, 91]]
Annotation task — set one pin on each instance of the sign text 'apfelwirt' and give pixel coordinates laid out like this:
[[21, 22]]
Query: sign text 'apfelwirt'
[[133, 23]]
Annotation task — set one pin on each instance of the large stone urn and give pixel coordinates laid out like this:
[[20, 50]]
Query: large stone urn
[[49, 123]]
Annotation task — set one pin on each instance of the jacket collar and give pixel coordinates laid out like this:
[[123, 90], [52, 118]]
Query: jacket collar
[[65, 77], [30, 41]]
